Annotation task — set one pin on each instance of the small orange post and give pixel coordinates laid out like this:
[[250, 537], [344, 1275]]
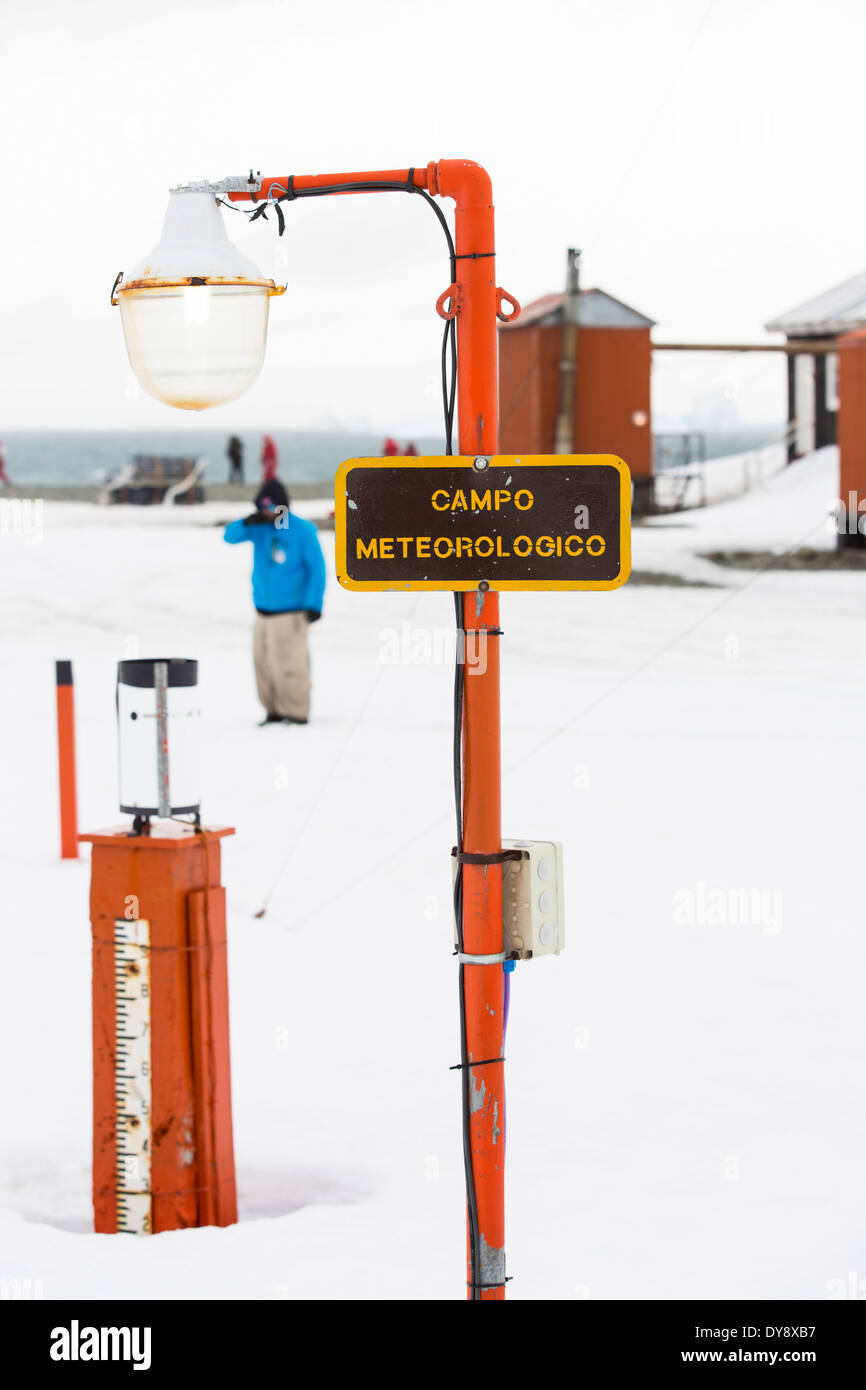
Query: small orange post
[[163, 1157], [66, 760]]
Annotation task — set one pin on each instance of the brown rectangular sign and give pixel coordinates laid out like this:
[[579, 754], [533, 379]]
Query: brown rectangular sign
[[531, 522]]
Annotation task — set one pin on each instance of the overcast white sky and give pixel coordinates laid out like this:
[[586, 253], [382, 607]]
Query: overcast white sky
[[707, 157]]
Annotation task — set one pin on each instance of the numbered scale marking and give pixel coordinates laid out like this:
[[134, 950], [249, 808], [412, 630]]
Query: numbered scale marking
[[133, 1076]]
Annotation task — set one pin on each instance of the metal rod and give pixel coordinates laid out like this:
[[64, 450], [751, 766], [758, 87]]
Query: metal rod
[[160, 681], [565, 421], [792, 346]]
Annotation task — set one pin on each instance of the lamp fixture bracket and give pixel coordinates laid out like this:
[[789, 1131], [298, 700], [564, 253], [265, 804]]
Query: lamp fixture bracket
[[235, 183]]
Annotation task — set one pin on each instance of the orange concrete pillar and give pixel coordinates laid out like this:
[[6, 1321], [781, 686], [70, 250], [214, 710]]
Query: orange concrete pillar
[[163, 1156], [852, 438]]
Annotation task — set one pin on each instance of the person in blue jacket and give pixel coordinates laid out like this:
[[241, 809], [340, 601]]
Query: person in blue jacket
[[288, 591]]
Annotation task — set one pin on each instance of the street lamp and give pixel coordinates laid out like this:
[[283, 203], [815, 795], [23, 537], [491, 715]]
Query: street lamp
[[184, 351], [195, 310]]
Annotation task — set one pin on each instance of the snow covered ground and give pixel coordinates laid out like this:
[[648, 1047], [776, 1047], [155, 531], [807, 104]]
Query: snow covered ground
[[686, 1082]]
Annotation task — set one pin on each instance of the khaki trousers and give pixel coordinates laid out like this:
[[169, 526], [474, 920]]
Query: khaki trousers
[[282, 658]]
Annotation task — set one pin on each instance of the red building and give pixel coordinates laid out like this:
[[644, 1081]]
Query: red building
[[611, 407]]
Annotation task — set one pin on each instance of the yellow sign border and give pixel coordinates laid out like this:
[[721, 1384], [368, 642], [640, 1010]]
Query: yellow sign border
[[467, 461]]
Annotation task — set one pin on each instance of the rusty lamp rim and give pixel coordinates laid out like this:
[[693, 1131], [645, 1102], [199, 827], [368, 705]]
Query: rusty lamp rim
[[189, 281]]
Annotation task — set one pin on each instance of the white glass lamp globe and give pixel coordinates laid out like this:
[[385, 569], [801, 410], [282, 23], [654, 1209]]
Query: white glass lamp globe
[[195, 311]]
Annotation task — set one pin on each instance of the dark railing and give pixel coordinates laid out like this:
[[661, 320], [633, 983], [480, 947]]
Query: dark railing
[[678, 461], [678, 450]]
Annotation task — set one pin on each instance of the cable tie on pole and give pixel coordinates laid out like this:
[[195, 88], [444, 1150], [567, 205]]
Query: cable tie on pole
[[465, 959], [473, 255], [501, 856], [498, 1285], [488, 1062]]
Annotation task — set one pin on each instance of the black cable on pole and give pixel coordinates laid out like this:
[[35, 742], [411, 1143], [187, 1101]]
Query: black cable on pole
[[449, 338], [465, 1076]]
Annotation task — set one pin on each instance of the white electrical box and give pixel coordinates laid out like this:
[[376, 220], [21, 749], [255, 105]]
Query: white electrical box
[[533, 916], [533, 909]]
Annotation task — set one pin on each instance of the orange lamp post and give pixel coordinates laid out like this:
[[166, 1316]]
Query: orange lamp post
[[476, 302], [173, 275]]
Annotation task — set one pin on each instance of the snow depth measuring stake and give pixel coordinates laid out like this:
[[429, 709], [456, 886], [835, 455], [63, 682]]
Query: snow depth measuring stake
[[132, 1076], [163, 1157]]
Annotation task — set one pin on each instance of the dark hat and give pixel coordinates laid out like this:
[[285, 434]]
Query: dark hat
[[271, 494]]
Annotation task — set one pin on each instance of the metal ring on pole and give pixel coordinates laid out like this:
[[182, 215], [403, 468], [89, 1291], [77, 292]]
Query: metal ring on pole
[[454, 295], [503, 297]]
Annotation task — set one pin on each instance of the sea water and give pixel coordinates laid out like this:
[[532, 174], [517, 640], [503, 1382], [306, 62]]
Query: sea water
[[80, 458], [77, 458]]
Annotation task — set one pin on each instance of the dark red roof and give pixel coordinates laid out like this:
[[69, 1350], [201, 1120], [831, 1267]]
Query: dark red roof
[[597, 309]]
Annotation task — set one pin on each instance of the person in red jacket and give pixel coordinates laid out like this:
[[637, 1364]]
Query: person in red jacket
[[390, 448], [269, 459], [4, 476]]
